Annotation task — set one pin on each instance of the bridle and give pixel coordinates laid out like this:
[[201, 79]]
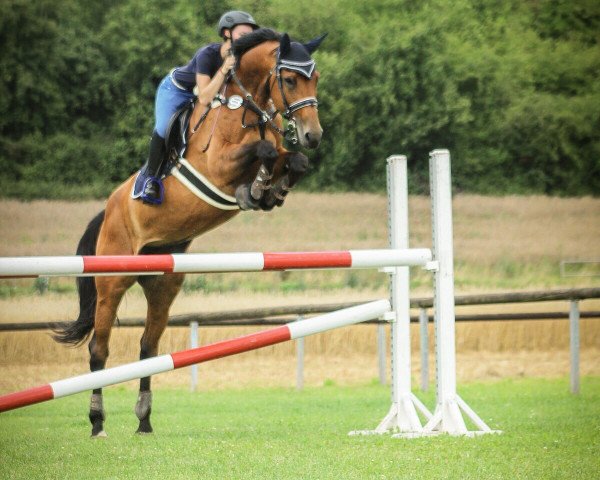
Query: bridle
[[304, 68], [267, 117]]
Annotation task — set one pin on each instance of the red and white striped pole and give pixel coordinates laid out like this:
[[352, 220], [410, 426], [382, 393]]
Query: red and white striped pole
[[164, 363], [20, 267]]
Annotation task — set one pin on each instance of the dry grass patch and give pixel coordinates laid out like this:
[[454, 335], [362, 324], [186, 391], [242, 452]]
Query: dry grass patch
[[487, 229], [501, 243]]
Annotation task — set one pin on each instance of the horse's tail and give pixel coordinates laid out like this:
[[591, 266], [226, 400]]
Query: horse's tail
[[75, 333]]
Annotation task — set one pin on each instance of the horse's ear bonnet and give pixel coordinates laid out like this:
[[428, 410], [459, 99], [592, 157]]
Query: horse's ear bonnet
[[313, 44], [295, 56]]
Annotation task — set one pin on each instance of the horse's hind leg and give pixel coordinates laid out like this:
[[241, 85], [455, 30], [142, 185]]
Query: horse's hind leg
[[110, 292], [160, 292]]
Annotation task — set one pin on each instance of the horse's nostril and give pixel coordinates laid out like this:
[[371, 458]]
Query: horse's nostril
[[313, 139]]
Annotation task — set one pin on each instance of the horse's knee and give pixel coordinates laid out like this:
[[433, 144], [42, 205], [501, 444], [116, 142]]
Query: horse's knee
[[297, 164], [266, 153], [147, 350], [98, 353]]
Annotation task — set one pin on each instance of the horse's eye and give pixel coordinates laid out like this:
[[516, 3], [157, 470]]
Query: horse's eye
[[290, 81]]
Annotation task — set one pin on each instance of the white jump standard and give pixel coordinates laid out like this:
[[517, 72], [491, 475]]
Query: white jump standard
[[402, 419]]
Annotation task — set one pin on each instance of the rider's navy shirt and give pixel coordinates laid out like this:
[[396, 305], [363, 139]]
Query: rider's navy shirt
[[206, 61]]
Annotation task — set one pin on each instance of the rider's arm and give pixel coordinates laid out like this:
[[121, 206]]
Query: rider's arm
[[209, 87]]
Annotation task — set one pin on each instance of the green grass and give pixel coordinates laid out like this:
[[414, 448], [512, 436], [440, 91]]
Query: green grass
[[281, 433]]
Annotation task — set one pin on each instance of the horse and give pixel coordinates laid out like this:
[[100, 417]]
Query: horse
[[237, 147]]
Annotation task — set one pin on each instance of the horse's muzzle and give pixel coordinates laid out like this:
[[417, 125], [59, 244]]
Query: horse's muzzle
[[309, 132], [312, 139]]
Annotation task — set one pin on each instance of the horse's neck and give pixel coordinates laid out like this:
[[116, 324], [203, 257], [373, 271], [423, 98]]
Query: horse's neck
[[254, 83], [253, 73]]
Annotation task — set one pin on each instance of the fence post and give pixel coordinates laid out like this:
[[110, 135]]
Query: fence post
[[574, 344], [194, 344], [381, 353], [424, 334], [300, 361]]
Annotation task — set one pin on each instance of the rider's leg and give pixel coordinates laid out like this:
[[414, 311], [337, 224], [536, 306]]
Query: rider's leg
[[152, 192], [169, 99]]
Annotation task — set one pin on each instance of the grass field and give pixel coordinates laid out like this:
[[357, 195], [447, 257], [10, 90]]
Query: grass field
[[248, 422], [280, 433]]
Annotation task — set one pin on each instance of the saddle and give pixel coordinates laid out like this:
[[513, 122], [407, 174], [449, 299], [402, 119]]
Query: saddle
[[176, 138]]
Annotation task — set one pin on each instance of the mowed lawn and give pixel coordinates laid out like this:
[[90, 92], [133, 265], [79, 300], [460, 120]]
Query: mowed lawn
[[281, 433]]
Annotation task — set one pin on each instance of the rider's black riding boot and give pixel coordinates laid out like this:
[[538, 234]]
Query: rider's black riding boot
[[153, 190]]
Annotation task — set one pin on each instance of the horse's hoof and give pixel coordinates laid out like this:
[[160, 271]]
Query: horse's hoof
[[100, 434], [145, 426], [244, 199]]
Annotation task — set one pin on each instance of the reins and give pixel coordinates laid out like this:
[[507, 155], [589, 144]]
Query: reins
[[264, 117]]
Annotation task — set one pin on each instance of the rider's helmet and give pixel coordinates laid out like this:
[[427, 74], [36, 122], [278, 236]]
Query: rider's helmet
[[233, 18]]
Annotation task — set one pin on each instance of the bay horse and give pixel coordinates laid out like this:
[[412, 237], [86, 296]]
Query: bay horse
[[239, 151]]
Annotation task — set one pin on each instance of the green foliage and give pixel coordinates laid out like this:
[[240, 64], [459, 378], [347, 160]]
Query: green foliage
[[510, 87]]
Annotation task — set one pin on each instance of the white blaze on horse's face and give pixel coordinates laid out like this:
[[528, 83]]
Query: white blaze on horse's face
[[298, 87]]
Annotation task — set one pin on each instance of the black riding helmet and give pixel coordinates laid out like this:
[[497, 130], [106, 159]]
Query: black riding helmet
[[235, 17]]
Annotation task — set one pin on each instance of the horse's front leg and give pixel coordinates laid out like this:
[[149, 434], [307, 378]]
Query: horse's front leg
[[264, 152], [160, 291], [295, 167]]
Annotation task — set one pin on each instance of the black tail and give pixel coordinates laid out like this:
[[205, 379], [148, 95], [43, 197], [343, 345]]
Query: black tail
[[75, 333]]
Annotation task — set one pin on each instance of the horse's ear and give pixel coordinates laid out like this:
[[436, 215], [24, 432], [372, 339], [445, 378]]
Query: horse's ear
[[313, 44], [284, 45]]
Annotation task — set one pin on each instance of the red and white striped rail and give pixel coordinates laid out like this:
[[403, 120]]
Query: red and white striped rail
[[164, 363], [24, 267]]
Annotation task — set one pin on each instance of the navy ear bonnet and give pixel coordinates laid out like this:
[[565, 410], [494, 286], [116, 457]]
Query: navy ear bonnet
[[295, 56]]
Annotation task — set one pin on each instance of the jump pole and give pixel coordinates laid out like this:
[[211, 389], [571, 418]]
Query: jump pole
[[184, 358], [81, 266]]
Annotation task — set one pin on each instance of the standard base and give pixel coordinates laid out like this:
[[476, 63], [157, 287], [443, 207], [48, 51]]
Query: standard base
[[401, 418], [448, 418], [470, 434]]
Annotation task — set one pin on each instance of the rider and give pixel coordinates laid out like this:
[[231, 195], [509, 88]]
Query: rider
[[206, 71]]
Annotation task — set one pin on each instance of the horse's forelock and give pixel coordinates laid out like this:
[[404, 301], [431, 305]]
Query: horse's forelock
[[253, 39]]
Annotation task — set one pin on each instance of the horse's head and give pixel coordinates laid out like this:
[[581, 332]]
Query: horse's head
[[296, 96]]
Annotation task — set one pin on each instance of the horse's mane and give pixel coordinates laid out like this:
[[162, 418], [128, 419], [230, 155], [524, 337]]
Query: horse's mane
[[251, 40]]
